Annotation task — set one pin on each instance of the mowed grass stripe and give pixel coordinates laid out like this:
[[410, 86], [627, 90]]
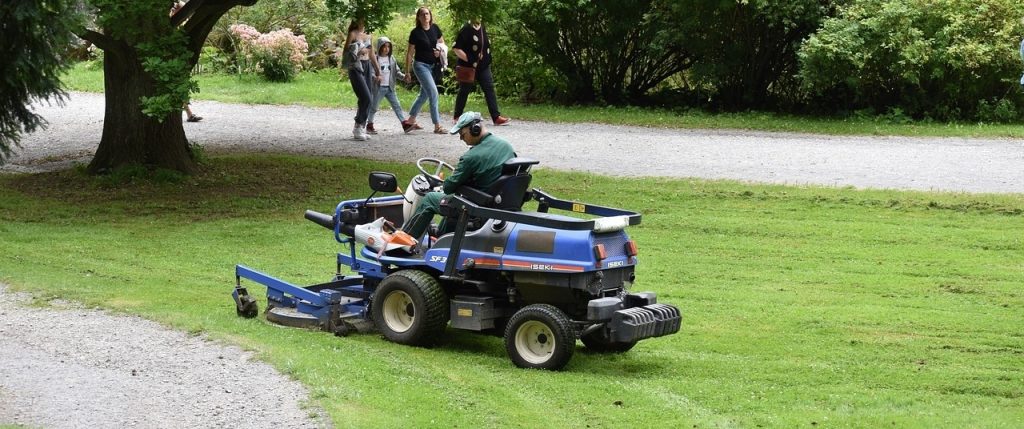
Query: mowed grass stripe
[[801, 305]]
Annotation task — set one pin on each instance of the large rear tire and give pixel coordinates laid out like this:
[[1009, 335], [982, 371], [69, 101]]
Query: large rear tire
[[410, 307], [540, 336]]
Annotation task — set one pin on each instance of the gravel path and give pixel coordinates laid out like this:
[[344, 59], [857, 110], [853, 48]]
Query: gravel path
[[72, 367], [947, 164]]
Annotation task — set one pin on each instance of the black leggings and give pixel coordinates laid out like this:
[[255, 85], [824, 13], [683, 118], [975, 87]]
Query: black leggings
[[483, 76], [359, 76]]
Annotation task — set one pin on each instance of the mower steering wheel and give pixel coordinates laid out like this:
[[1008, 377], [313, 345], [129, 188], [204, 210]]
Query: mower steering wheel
[[435, 177]]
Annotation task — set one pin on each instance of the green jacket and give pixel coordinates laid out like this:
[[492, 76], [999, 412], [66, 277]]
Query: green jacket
[[480, 166]]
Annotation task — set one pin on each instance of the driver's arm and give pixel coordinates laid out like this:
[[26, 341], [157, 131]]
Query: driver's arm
[[463, 172]]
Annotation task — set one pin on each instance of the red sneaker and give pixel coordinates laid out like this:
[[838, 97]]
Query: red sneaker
[[501, 121], [370, 129], [408, 126]]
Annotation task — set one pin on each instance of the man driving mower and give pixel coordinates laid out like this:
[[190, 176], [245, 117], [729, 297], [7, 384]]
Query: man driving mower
[[479, 168]]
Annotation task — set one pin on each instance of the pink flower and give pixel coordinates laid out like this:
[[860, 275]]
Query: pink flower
[[244, 32], [281, 42]]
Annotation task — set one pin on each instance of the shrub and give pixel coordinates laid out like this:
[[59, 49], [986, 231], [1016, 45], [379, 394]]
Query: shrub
[[746, 51], [603, 50], [997, 111], [309, 18], [931, 58], [278, 54]]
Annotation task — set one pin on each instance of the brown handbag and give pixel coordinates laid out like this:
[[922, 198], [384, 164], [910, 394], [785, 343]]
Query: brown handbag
[[465, 74]]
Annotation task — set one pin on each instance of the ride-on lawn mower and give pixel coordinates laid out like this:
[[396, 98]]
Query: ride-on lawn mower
[[539, 279]]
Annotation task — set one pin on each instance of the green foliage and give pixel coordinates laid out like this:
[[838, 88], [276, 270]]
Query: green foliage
[[275, 64], [518, 71], [944, 59], [167, 61], [490, 12], [998, 111], [212, 60], [304, 17], [198, 152], [323, 88], [33, 37], [746, 51], [607, 50], [375, 15], [162, 49]]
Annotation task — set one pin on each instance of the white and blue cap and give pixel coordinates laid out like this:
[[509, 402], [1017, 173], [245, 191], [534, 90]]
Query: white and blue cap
[[464, 121]]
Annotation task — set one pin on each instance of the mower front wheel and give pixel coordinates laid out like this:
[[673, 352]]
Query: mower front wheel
[[410, 307], [540, 336]]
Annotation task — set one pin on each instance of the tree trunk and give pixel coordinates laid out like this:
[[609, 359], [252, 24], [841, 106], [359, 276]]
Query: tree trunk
[[129, 136]]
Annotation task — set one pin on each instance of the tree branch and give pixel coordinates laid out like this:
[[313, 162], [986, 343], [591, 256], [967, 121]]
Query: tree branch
[[186, 11], [203, 19], [101, 40]]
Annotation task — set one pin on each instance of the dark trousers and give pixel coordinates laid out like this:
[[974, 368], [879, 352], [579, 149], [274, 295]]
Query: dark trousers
[[486, 81], [360, 79]]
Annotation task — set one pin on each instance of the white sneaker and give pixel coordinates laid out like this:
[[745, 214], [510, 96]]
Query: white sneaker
[[357, 133], [365, 134]]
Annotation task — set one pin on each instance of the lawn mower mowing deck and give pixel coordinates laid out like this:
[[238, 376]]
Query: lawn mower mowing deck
[[539, 279]]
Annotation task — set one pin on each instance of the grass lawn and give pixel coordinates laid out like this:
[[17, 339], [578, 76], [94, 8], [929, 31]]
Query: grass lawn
[[326, 89], [803, 307]]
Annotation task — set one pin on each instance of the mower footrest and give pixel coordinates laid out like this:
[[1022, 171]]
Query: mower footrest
[[637, 323]]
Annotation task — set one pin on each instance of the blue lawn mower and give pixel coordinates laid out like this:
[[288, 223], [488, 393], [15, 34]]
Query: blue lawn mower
[[541, 280]]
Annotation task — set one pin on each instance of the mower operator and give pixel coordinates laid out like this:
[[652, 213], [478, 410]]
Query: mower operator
[[479, 167]]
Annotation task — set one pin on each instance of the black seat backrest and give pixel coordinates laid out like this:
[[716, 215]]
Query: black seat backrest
[[517, 165], [509, 191]]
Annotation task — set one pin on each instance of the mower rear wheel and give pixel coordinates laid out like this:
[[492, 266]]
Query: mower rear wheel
[[410, 307], [540, 336], [600, 343]]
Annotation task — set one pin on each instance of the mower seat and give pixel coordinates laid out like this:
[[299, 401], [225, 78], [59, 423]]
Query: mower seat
[[509, 191]]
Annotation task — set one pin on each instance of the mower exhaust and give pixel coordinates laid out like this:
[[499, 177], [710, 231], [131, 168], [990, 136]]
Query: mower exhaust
[[324, 220]]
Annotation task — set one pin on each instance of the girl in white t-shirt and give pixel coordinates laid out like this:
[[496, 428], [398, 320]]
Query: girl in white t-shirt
[[390, 75]]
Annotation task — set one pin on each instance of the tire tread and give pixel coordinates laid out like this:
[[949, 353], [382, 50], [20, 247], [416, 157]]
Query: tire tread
[[561, 326]]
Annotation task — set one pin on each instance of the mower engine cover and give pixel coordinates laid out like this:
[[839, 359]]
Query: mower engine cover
[[380, 235]]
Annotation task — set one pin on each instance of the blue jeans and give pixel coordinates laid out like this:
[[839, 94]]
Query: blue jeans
[[389, 92], [428, 91]]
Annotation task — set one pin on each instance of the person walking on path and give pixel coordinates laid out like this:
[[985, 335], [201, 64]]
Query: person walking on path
[[473, 49], [389, 76], [1022, 59], [423, 40], [361, 64], [479, 167], [192, 117]]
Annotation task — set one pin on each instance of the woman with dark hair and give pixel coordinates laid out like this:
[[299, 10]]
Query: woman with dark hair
[[423, 42], [361, 63]]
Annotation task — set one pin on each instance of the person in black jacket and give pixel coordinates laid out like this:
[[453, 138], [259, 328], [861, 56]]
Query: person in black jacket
[[473, 49]]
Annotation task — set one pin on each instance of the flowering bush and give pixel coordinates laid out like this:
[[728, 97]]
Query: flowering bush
[[277, 54]]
